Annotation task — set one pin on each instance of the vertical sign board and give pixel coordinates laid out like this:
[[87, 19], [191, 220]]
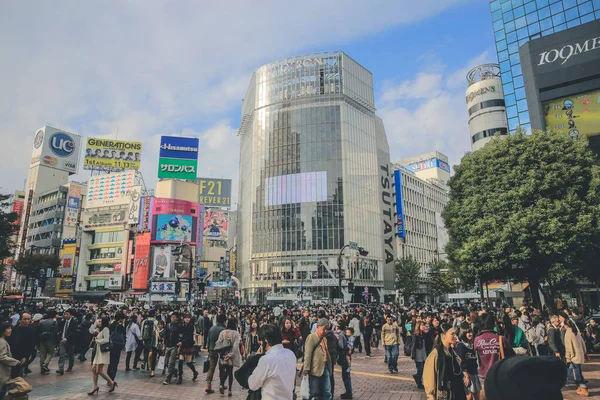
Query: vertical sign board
[[178, 158], [142, 261], [73, 204], [400, 231]]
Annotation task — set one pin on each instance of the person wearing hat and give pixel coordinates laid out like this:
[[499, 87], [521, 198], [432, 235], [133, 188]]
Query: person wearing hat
[[525, 378], [318, 363]]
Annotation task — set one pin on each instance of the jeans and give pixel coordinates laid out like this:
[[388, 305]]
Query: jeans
[[419, 375], [115, 357], [343, 362], [320, 386], [65, 350], [170, 359], [574, 372], [391, 353], [46, 353]]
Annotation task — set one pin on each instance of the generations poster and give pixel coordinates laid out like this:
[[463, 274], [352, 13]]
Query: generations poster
[[576, 115], [215, 225], [141, 264], [112, 154]]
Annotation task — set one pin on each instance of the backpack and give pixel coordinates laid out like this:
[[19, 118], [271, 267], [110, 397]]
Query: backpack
[[117, 337], [148, 331], [531, 335]]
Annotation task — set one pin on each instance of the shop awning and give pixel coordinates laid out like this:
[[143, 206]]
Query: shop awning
[[92, 294]]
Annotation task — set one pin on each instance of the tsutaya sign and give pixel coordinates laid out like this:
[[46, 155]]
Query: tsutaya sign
[[568, 51]]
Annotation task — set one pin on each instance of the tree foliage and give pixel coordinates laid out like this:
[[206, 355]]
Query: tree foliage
[[441, 280], [408, 272], [8, 227], [30, 265], [526, 209]]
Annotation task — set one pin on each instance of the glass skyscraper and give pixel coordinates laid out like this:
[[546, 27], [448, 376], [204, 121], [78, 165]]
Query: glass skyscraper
[[518, 21], [311, 148]]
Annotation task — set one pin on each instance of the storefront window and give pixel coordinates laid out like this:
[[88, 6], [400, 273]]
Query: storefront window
[[108, 252], [108, 237]]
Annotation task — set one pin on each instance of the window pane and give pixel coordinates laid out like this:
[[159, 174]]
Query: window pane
[[522, 105], [518, 81], [574, 23], [519, 12], [572, 14], [521, 22], [510, 26], [495, 5], [530, 7], [524, 118], [544, 12], [496, 15], [556, 8], [501, 45], [522, 34], [511, 111], [587, 18], [534, 29], [502, 56], [520, 93], [585, 8], [510, 100], [569, 3]]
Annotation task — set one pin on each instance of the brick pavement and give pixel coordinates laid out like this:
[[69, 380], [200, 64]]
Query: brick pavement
[[370, 380]]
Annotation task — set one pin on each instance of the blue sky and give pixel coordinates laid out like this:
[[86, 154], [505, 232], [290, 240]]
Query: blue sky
[[147, 68]]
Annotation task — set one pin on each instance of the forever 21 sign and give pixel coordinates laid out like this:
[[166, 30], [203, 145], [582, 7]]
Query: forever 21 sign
[[567, 52]]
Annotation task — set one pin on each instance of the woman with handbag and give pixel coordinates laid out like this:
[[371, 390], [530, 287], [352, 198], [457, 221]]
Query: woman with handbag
[[6, 360], [133, 338], [442, 375], [228, 347], [102, 356]]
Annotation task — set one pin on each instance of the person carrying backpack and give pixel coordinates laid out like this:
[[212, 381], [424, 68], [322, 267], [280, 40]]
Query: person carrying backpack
[[149, 330]]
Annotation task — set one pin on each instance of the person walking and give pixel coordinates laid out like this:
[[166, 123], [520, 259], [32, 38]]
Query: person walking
[[418, 353], [390, 338], [150, 340], [555, 343], [466, 353], [101, 356], [47, 340], [186, 348], [84, 337], [6, 359], [317, 362], [170, 347], [213, 356], [68, 337], [118, 335], [206, 324], [22, 342], [342, 360], [355, 324], [367, 334], [539, 345], [575, 353], [276, 369], [252, 344], [132, 338], [231, 357], [442, 374]]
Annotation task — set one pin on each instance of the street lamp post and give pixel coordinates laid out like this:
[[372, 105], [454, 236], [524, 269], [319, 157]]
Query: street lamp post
[[339, 262]]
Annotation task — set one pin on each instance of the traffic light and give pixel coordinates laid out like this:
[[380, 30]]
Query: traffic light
[[363, 252], [350, 287]]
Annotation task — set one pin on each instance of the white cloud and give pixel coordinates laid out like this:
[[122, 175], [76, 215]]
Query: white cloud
[[145, 68], [428, 113]]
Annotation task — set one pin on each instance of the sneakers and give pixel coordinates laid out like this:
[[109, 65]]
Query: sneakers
[[168, 380], [346, 396], [60, 372], [582, 392]]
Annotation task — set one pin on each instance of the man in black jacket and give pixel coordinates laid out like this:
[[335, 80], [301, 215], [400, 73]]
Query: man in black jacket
[[67, 331], [170, 347], [205, 325], [22, 342], [555, 342]]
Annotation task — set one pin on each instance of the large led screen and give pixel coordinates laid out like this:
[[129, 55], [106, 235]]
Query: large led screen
[[175, 228], [576, 115], [305, 187]]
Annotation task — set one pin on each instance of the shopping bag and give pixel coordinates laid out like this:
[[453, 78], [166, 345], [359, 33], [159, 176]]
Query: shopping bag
[[161, 364], [18, 386], [305, 388]]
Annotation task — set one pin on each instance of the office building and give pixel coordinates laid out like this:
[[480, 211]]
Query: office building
[[314, 177], [432, 166], [562, 82], [485, 104], [515, 23]]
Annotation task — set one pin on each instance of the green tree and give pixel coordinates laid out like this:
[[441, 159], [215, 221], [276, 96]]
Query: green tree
[[8, 227], [408, 273], [526, 208], [31, 265], [441, 279]]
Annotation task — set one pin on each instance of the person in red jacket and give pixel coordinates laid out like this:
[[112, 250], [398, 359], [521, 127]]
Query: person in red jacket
[[289, 333]]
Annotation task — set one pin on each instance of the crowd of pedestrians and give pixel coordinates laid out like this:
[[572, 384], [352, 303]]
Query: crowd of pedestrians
[[459, 353]]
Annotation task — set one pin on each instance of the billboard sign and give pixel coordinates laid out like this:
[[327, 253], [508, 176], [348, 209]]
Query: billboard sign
[[161, 261], [141, 264], [108, 154], [428, 164], [105, 218], [145, 207], [175, 228], [110, 190], [178, 158], [73, 204], [56, 149], [214, 192], [174, 168], [215, 225], [67, 257], [18, 205], [400, 229], [576, 115]]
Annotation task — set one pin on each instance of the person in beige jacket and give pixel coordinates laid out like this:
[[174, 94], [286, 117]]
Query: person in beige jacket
[[575, 355], [6, 359], [317, 362]]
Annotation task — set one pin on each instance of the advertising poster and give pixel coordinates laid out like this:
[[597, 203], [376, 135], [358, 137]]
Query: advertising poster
[[400, 230], [182, 262], [200, 229], [175, 228], [178, 158], [108, 154], [161, 261], [144, 219], [215, 225], [18, 205], [214, 192], [67, 255], [110, 189], [56, 149], [73, 203], [93, 220], [575, 115], [141, 262]]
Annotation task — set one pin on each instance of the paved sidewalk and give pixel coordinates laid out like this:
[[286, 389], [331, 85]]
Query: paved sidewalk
[[370, 380]]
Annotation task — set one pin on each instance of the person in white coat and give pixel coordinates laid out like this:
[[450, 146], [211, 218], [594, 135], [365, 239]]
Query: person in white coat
[[133, 336], [101, 357]]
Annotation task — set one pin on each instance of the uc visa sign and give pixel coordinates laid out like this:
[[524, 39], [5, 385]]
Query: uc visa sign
[[56, 149], [178, 158]]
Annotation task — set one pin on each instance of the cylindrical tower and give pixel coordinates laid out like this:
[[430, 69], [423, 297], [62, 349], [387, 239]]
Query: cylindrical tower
[[310, 147], [485, 102]]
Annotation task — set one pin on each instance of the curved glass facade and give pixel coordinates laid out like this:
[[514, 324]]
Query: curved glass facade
[[309, 178]]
